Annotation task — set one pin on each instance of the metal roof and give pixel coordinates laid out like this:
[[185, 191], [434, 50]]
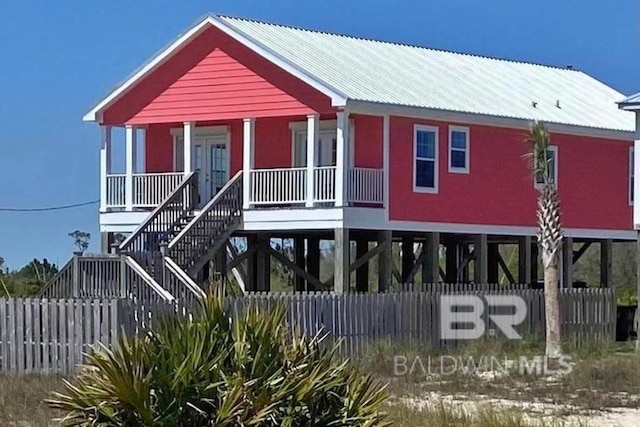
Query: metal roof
[[632, 102], [397, 74]]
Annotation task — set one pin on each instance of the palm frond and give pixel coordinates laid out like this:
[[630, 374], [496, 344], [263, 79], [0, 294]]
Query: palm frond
[[538, 154]]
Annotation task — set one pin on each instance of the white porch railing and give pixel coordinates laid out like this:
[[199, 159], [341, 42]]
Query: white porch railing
[[289, 186], [149, 190], [365, 185], [116, 184], [324, 187], [277, 186]]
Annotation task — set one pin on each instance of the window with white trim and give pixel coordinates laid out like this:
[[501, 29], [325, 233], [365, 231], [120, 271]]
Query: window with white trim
[[631, 175], [458, 149], [552, 164], [425, 154]]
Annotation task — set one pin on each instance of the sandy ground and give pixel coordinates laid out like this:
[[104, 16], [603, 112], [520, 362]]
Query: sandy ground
[[536, 411]]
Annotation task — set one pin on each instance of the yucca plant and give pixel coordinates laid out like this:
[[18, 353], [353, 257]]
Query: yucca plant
[[549, 231], [218, 368]]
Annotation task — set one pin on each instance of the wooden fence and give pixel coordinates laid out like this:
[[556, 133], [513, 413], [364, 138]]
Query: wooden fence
[[51, 336], [413, 318], [40, 335]]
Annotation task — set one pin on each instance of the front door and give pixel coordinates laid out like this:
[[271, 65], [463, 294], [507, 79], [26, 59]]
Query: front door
[[211, 162]]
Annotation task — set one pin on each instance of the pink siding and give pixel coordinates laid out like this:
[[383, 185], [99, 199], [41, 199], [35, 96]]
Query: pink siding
[[215, 78], [592, 180], [236, 146], [159, 148], [368, 141], [273, 143]]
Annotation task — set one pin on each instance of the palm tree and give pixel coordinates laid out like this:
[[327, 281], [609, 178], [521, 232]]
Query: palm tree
[[549, 231]]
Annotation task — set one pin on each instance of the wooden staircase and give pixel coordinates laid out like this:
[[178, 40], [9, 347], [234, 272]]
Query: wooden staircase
[[209, 230], [176, 241], [162, 257]]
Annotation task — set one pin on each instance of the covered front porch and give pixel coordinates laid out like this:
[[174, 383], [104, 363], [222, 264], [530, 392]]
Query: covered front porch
[[281, 167]]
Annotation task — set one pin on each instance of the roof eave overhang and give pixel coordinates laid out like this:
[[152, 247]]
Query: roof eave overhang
[[381, 109], [629, 106], [338, 99]]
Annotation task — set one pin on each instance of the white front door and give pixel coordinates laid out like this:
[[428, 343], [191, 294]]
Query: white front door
[[210, 159]]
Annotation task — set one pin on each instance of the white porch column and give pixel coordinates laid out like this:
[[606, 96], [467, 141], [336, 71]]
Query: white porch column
[[248, 159], [385, 164], [189, 135], [342, 156], [105, 164], [130, 165], [313, 125]]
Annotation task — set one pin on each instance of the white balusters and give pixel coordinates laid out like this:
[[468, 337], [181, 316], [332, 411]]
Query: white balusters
[[325, 184], [365, 185], [289, 185], [116, 190], [278, 186], [149, 190]]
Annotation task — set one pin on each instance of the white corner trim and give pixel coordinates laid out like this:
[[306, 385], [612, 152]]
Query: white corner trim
[[435, 130], [631, 176], [467, 149]]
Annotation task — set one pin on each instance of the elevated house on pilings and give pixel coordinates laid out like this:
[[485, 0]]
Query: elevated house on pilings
[[256, 131]]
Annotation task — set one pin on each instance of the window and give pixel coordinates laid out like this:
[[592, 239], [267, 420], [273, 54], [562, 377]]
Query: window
[[552, 159], [425, 153], [300, 150], [325, 149], [458, 149], [631, 175]]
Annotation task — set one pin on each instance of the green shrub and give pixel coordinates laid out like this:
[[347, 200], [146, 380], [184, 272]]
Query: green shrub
[[249, 369]]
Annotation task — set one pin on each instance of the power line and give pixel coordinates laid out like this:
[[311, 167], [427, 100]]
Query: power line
[[50, 208]]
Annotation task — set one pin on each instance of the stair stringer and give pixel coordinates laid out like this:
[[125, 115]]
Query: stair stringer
[[219, 242]]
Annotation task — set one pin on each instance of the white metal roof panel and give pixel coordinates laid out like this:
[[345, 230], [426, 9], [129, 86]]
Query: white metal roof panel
[[389, 73]]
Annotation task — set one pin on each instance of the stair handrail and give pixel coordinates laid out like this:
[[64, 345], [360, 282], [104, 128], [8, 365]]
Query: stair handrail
[[190, 180], [184, 278], [206, 209], [148, 280], [234, 183], [67, 268]]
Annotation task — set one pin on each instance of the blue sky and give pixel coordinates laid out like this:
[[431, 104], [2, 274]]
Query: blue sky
[[60, 58]]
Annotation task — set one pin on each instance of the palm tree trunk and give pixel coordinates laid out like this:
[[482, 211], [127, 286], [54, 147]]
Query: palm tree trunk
[[550, 239], [552, 308]]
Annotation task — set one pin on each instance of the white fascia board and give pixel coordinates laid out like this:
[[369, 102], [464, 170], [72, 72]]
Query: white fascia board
[[155, 62], [338, 99], [379, 109], [629, 107]]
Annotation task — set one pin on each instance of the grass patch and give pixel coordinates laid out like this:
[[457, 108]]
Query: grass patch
[[603, 375], [21, 400], [442, 414]]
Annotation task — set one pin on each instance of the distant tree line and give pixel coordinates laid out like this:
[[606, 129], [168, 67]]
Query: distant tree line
[[26, 281]]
